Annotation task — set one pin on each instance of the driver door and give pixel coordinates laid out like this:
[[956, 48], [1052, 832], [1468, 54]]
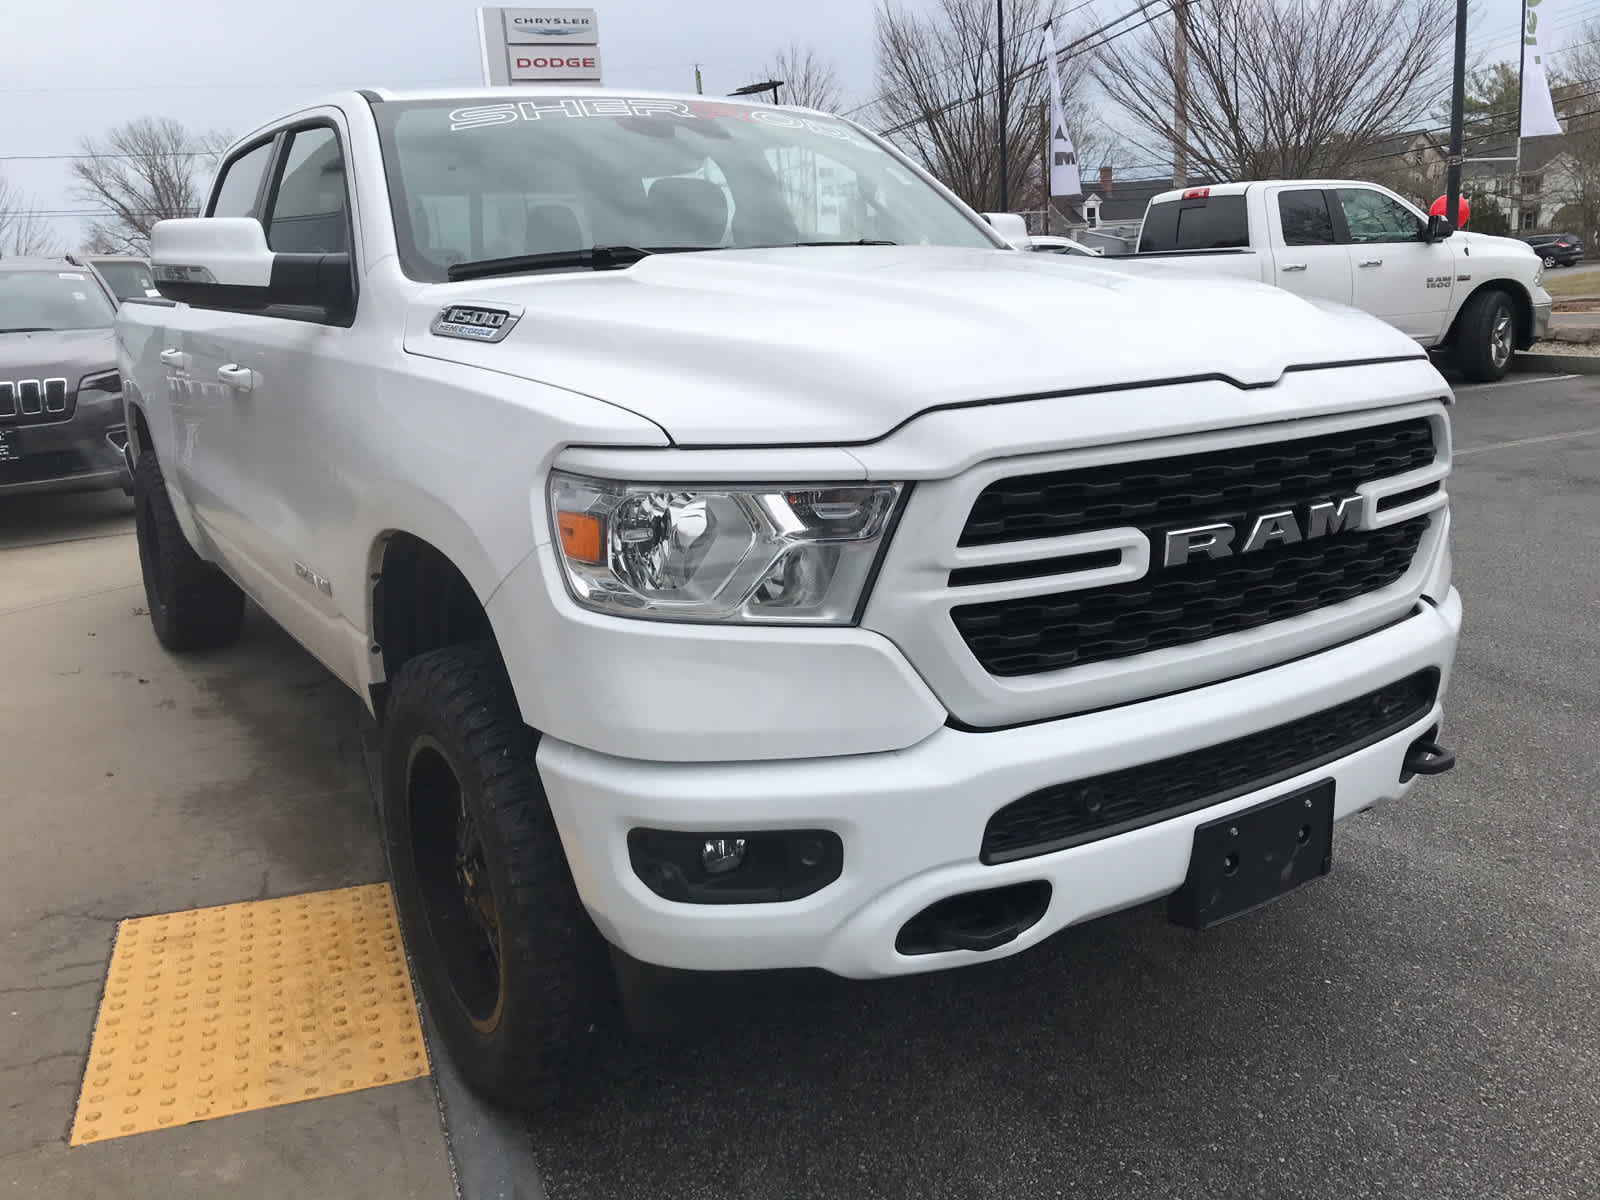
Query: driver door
[[1399, 275]]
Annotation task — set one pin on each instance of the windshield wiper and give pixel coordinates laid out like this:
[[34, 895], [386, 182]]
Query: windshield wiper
[[27, 329], [597, 258], [856, 242]]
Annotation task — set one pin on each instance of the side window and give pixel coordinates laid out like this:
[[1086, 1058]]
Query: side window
[[1306, 219], [241, 184], [1374, 217], [308, 213]]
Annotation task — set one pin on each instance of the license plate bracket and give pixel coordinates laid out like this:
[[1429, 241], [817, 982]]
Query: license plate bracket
[[10, 445], [1247, 859]]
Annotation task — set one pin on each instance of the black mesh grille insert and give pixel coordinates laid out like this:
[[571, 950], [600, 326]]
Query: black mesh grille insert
[[1069, 814], [1204, 597], [1188, 604], [1178, 491]]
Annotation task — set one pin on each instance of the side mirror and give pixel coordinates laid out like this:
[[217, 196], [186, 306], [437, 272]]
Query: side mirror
[[1010, 226], [1439, 228], [224, 262]]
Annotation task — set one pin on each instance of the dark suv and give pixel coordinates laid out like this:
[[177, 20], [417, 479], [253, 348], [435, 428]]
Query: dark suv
[[62, 427], [1557, 249]]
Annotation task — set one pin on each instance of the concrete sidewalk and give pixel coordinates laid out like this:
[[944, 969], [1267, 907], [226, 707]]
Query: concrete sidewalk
[[135, 784]]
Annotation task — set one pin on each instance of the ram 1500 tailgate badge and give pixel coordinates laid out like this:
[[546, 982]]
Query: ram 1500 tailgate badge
[[474, 322]]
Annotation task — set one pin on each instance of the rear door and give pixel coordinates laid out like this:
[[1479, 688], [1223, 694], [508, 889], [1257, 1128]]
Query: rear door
[[1397, 274], [1307, 257], [203, 462]]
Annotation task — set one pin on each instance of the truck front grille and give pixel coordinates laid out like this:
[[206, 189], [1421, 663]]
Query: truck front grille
[[1085, 810], [1205, 597]]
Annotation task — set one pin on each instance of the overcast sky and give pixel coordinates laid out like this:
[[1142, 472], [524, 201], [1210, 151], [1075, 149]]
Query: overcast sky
[[78, 68]]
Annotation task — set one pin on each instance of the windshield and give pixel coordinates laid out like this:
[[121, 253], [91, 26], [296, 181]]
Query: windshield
[[126, 278], [50, 300], [470, 182]]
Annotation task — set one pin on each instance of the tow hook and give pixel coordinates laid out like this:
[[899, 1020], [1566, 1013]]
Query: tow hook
[[1426, 757]]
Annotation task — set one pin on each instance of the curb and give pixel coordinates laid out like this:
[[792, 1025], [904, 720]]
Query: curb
[[490, 1154], [1558, 364]]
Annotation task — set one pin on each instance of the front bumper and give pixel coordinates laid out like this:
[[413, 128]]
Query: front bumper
[[912, 821], [81, 454]]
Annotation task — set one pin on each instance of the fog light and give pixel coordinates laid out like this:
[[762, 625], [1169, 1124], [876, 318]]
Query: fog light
[[756, 866], [721, 855]]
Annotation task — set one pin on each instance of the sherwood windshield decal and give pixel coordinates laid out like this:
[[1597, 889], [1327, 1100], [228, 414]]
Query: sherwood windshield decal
[[480, 116]]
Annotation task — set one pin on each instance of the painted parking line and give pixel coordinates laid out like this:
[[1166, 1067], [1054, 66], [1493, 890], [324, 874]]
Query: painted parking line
[[224, 1010], [1527, 441], [1521, 381]]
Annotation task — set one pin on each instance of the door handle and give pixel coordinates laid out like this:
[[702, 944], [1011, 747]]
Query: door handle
[[237, 377], [174, 358], [1370, 262], [1294, 266]]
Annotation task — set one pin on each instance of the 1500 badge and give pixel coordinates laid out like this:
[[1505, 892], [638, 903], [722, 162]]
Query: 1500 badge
[[473, 322], [1439, 281]]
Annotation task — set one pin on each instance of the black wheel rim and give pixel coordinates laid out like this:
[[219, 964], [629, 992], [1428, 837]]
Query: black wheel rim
[[458, 900]]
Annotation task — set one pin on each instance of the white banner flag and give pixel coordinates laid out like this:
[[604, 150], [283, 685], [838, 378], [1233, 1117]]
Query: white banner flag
[[1538, 40], [1064, 179]]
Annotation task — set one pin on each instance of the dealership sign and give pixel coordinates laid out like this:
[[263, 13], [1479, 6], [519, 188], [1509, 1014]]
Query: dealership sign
[[534, 45]]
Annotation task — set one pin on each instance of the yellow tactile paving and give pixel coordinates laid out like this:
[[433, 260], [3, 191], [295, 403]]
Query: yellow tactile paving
[[244, 1006]]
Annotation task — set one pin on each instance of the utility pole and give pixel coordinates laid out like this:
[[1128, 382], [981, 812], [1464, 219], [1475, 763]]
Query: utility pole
[[697, 89], [1458, 105], [1044, 163], [1180, 84], [1000, 56]]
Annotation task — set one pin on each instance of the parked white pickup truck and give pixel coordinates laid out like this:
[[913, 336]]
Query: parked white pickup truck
[[1360, 244], [742, 576]]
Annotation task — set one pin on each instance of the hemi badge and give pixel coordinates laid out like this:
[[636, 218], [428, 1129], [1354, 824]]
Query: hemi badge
[[475, 322]]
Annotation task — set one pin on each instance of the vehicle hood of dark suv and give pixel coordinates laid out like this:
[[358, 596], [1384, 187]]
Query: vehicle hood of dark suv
[[68, 354]]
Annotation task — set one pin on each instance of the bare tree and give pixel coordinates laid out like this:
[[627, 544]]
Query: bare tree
[[809, 80], [939, 98], [23, 230], [141, 172], [1284, 88], [1578, 105]]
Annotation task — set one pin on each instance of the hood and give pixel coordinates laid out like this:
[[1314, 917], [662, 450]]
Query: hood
[[842, 344], [68, 354], [1488, 243]]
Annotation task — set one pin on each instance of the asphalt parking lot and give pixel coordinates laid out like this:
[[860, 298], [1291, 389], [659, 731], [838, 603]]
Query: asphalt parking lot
[[1424, 1022], [1421, 1023]]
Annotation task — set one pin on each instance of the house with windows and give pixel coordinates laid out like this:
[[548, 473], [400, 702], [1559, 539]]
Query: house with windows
[[1108, 214]]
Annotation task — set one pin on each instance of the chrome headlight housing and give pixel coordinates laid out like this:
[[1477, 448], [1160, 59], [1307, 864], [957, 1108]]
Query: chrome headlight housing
[[688, 552], [1538, 273]]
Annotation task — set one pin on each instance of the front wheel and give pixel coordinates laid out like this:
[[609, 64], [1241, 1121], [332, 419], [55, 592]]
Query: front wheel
[[512, 968], [193, 605], [1549, 262], [1486, 337]]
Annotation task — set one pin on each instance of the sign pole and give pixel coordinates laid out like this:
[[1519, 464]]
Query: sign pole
[[1000, 58]]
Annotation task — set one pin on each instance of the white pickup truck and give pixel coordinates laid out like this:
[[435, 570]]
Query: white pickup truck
[[1360, 244], [741, 567]]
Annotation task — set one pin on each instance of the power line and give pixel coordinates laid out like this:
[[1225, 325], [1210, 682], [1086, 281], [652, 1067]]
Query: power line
[[1063, 54], [454, 81]]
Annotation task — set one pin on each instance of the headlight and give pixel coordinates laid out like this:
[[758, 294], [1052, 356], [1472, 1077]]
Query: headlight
[[107, 383], [1538, 274], [799, 554]]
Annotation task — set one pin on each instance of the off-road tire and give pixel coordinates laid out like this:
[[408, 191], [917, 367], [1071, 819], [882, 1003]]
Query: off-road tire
[[1479, 332], [193, 605], [556, 1000]]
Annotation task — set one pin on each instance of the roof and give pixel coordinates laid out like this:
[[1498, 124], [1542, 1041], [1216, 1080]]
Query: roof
[[25, 263]]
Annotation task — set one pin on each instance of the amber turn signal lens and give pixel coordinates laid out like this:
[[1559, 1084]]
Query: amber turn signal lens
[[580, 536]]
